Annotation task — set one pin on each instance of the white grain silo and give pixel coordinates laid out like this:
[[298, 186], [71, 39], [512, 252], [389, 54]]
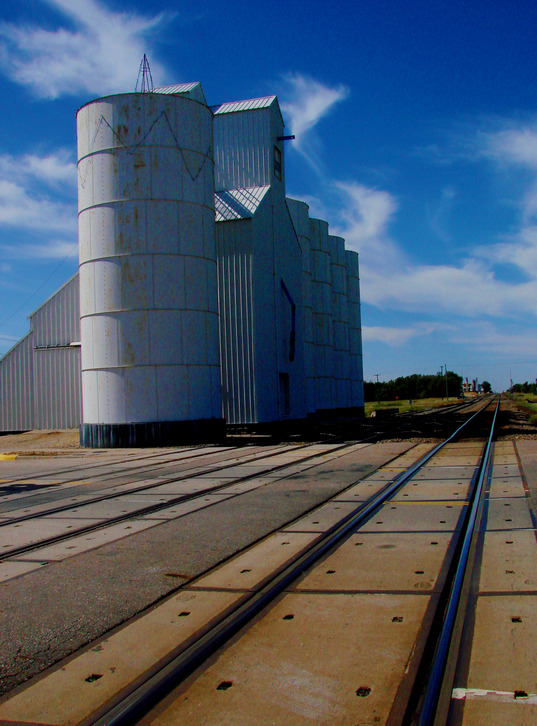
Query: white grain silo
[[259, 267], [322, 313], [300, 215], [355, 330], [149, 318], [341, 384]]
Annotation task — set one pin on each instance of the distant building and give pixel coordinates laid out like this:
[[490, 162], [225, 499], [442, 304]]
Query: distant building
[[204, 295]]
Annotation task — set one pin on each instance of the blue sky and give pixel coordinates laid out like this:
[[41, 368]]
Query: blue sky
[[416, 139]]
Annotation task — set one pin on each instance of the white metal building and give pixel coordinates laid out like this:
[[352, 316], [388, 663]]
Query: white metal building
[[206, 296]]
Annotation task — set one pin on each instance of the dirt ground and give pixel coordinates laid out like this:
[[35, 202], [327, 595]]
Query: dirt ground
[[42, 442]]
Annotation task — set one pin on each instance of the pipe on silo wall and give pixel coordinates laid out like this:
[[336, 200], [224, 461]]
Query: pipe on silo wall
[[149, 317]]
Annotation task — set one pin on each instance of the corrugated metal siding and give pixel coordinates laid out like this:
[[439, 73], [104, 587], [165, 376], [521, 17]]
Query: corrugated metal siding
[[234, 254], [56, 370], [40, 378], [57, 321], [16, 389], [243, 150], [57, 388]]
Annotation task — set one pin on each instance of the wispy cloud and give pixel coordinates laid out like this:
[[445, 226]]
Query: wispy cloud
[[37, 200], [304, 102], [363, 217], [99, 53], [58, 167], [395, 337], [49, 250]]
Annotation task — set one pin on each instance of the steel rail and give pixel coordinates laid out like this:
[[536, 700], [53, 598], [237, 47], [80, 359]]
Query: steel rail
[[143, 697], [430, 701], [170, 480], [144, 511], [193, 453]]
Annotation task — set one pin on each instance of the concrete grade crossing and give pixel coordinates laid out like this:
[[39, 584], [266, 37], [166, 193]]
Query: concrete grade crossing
[[341, 645], [72, 592]]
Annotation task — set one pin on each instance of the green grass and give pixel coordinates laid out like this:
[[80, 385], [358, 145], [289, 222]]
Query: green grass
[[526, 402], [403, 404]]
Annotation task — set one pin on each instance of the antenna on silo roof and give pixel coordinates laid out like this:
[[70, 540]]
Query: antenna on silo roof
[[145, 79]]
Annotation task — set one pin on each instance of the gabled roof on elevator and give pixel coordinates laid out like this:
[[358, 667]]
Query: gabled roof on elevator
[[238, 203], [192, 90], [250, 104]]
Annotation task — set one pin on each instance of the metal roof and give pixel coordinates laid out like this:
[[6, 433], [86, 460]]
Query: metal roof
[[193, 89], [238, 203], [248, 105]]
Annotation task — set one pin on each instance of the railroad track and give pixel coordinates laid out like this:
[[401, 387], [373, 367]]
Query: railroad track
[[360, 579], [33, 521], [22, 534]]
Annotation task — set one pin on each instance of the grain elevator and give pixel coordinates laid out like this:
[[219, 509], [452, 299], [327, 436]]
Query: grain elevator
[[207, 297]]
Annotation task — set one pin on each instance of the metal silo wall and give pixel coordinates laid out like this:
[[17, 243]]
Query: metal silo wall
[[148, 280], [355, 329], [322, 314], [341, 387], [300, 215], [16, 387], [234, 249]]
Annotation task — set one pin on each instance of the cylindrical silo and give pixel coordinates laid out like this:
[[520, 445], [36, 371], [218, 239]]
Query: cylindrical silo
[[341, 381], [355, 331], [149, 318], [322, 314], [300, 215]]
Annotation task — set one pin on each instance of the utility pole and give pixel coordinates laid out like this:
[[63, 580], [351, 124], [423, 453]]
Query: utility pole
[[441, 374], [445, 371], [378, 388]]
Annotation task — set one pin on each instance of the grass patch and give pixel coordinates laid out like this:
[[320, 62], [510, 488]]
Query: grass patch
[[526, 402], [415, 405]]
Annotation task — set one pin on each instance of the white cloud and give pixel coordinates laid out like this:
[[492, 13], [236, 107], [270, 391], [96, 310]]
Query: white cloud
[[51, 169], [25, 201], [37, 198], [304, 102], [395, 337], [101, 56], [364, 217], [391, 280], [20, 208], [47, 250], [515, 145]]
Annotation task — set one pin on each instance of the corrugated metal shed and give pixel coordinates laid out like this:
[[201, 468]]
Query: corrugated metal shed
[[57, 320], [246, 145], [40, 376], [238, 203], [16, 387]]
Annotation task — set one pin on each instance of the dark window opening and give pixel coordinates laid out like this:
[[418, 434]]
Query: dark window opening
[[285, 401]]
